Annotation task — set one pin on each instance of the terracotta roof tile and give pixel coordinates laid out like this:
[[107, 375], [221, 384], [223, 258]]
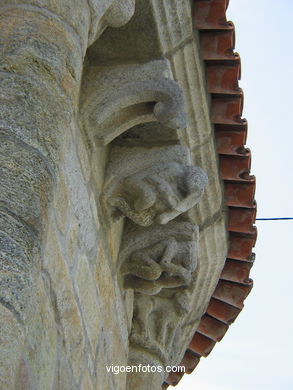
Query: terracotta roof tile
[[218, 45], [231, 143], [241, 245], [212, 328], [237, 271], [241, 219], [222, 311], [236, 168], [239, 194], [190, 361], [201, 344], [227, 110], [210, 15], [223, 70], [223, 79], [232, 293]]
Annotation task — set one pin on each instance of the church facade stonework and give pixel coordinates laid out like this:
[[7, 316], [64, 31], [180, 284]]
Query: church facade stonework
[[113, 223]]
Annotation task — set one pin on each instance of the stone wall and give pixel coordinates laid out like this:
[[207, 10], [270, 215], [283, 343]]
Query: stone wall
[[80, 316], [51, 310]]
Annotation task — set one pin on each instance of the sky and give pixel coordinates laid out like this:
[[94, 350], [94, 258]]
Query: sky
[[257, 351]]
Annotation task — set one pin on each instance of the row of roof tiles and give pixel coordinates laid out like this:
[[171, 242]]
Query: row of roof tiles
[[223, 70]]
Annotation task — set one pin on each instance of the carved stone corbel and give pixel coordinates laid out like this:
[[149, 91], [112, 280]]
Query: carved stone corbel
[[158, 257], [118, 98], [157, 262], [152, 186]]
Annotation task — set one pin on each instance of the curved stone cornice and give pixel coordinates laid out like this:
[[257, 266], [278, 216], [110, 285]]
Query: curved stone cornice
[[133, 95]]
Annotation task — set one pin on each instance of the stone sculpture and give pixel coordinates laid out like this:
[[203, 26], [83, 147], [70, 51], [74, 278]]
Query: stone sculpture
[[157, 263], [166, 264], [141, 93], [158, 193], [156, 320]]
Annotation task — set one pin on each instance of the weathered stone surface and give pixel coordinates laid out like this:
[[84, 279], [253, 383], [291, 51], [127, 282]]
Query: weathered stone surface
[[158, 263], [18, 264], [152, 185], [80, 200], [63, 300], [116, 13], [61, 204], [166, 25], [26, 182], [40, 61], [72, 243], [40, 353], [159, 193], [105, 285], [89, 300], [12, 333], [64, 378], [39, 79], [86, 383], [159, 257], [144, 381], [23, 380], [136, 94]]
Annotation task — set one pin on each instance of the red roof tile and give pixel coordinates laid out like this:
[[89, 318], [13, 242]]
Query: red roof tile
[[235, 168], [231, 142], [232, 293], [239, 194], [201, 344], [241, 219], [223, 70], [237, 271], [210, 15], [222, 311], [222, 79], [241, 245], [212, 328], [190, 361]]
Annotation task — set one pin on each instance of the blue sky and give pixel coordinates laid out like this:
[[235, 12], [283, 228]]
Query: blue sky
[[257, 351]]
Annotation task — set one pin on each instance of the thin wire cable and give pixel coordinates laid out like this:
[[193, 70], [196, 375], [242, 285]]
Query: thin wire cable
[[274, 219]]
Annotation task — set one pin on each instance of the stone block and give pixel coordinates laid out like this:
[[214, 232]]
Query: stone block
[[72, 243], [83, 154], [64, 380], [40, 353], [64, 300], [89, 300], [61, 204], [79, 200], [86, 383], [11, 338], [23, 378]]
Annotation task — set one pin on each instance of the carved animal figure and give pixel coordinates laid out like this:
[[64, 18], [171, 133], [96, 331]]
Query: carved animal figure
[[157, 318], [164, 265], [170, 316], [159, 193], [144, 306]]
